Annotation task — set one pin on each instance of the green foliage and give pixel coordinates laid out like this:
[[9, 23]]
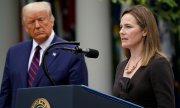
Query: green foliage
[[167, 10]]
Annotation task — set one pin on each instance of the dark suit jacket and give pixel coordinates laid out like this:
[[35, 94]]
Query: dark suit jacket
[[152, 86], [65, 68]]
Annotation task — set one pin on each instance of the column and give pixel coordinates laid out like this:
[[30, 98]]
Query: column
[[93, 30]]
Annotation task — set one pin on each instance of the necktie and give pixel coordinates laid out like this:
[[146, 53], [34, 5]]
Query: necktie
[[33, 69]]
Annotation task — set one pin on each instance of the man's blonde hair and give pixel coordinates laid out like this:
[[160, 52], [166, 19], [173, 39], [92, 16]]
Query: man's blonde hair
[[37, 6]]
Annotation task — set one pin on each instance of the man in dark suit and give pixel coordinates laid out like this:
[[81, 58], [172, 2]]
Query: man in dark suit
[[64, 67]]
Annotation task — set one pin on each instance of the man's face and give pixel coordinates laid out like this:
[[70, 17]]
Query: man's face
[[39, 24]]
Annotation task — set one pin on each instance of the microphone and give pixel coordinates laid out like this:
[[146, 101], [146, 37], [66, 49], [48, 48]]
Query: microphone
[[91, 53]]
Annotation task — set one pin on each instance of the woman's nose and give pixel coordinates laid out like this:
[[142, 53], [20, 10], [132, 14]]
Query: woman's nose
[[121, 31]]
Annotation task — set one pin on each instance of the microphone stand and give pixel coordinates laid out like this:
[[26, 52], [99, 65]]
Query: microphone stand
[[44, 67]]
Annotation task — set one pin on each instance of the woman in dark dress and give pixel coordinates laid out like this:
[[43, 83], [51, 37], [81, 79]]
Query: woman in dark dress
[[145, 77]]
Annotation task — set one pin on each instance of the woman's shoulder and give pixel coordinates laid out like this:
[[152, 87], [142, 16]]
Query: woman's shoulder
[[160, 65], [158, 59]]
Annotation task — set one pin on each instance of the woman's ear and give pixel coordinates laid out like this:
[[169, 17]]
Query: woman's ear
[[144, 32]]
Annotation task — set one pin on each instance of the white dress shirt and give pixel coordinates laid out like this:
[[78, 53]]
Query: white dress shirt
[[43, 46]]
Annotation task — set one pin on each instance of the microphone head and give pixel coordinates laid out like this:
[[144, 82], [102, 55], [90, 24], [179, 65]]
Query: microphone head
[[92, 53]]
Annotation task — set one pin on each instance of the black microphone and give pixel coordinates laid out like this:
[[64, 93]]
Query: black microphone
[[91, 53]]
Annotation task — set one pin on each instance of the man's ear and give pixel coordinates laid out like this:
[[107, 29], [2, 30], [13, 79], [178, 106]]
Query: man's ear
[[24, 25], [25, 28], [52, 20]]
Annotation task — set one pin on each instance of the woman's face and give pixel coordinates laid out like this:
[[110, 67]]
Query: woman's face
[[130, 32]]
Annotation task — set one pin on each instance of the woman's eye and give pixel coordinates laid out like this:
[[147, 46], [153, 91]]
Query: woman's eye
[[128, 26]]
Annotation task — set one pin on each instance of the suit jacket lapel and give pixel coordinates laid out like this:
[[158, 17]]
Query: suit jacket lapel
[[48, 62], [26, 52]]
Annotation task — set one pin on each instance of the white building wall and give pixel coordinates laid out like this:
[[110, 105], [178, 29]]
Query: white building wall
[[93, 31], [8, 28]]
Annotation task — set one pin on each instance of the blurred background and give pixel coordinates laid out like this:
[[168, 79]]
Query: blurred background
[[95, 24]]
